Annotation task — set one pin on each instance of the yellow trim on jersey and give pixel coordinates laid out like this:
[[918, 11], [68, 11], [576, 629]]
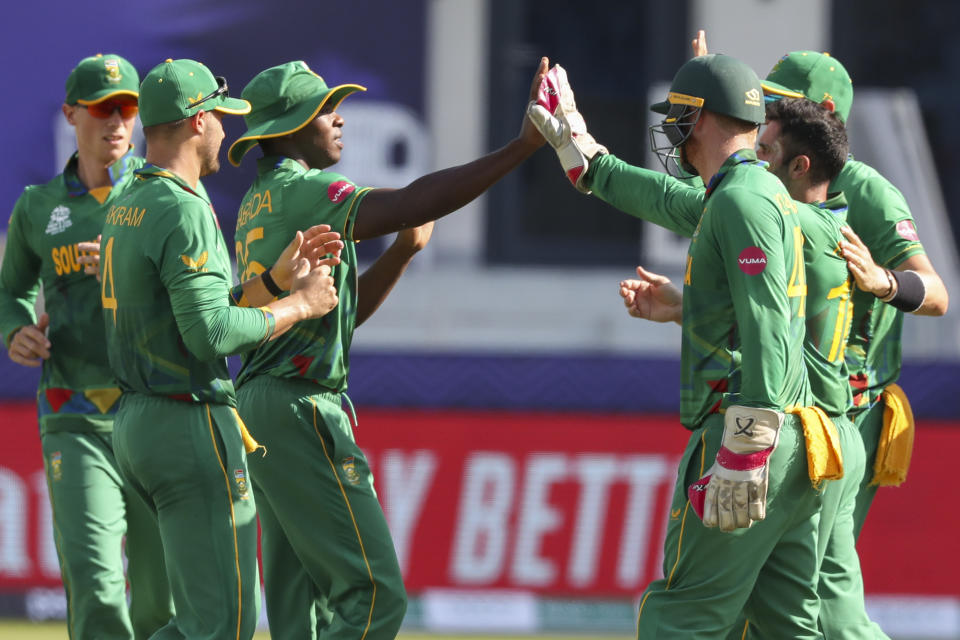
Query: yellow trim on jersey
[[100, 193], [682, 98], [352, 213], [233, 521], [356, 529]]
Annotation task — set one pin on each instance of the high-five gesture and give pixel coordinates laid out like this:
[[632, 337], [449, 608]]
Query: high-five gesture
[[554, 113]]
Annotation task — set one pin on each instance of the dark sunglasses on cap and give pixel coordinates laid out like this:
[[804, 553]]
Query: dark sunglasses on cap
[[222, 90], [127, 106]]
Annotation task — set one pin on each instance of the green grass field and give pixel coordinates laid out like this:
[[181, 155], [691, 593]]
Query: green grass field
[[20, 630]]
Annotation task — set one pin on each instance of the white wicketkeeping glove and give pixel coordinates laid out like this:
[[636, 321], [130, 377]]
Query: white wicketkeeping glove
[[733, 493], [555, 116]]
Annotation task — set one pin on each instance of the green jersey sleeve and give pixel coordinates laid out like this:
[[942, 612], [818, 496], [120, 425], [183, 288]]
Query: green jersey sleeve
[[648, 195], [19, 275], [199, 296]]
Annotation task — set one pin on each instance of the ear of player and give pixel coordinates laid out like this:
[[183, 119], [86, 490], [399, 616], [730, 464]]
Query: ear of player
[[555, 116], [733, 493]]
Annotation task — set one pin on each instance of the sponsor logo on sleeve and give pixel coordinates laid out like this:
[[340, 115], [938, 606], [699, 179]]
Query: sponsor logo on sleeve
[[339, 190], [195, 265], [752, 261], [905, 230]]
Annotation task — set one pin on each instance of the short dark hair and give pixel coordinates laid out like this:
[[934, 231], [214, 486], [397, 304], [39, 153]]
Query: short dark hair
[[810, 129]]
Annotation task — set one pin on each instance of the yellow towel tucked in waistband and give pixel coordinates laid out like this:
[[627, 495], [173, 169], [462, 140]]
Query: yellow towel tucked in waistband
[[896, 439], [824, 458], [249, 443]]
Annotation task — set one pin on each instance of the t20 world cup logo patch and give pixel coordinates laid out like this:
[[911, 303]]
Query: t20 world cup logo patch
[[752, 261], [59, 220], [240, 477]]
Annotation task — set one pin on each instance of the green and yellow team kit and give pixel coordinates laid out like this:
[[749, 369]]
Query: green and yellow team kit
[[165, 292], [77, 401]]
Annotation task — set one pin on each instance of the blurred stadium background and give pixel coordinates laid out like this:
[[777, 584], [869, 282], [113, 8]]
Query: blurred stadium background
[[522, 428]]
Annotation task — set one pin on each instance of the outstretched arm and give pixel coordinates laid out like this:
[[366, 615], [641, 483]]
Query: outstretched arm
[[376, 283], [435, 195]]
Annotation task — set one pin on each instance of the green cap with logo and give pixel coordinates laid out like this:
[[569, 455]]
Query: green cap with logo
[[718, 83], [100, 77], [177, 89], [284, 99], [812, 75]]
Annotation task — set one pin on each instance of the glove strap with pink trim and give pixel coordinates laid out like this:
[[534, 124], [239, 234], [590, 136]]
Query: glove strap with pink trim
[[733, 492]]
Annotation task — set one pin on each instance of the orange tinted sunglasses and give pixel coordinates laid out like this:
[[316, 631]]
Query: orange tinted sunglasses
[[126, 106]]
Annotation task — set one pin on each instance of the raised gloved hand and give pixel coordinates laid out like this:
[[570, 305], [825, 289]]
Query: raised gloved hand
[[555, 116], [733, 493]]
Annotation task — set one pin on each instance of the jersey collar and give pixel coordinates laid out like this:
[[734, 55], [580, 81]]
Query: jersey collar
[[835, 203], [742, 156], [153, 171], [266, 164], [117, 171]]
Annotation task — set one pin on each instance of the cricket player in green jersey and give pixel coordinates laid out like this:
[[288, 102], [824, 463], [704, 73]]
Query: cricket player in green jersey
[[743, 374], [167, 307], [330, 568], [805, 146], [893, 274], [92, 506]]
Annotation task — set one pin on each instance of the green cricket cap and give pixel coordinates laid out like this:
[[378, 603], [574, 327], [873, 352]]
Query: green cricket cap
[[177, 89], [812, 75], [718, 83], [100, 77], [284, 99]]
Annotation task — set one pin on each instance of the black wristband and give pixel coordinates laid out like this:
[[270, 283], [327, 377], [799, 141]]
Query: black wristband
[[910, 291], [270, 284]]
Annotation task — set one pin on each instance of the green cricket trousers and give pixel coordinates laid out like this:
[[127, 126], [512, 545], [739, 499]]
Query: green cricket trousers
[[330, 568], [187, 461]]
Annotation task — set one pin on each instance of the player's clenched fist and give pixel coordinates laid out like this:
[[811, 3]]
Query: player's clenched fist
[[315, 288]]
